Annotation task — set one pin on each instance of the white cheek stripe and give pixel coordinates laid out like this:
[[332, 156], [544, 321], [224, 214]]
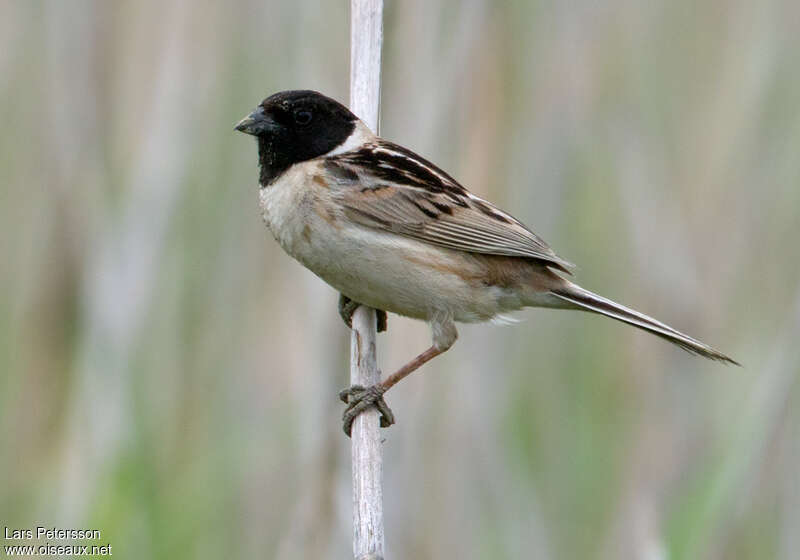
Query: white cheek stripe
[[361, 135]]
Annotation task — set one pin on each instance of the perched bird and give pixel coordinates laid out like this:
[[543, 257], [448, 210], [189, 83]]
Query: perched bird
[[389, 229]]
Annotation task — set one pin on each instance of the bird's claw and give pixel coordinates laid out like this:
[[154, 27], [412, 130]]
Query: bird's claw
[[347, 307], [358, 399]]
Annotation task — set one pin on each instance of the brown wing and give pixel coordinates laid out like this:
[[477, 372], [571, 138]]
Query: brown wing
[[387, 187]]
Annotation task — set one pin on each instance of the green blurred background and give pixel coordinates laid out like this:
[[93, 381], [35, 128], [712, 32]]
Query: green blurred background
[[169, 376]]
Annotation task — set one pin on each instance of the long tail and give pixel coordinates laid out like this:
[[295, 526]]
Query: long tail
[[587, 301]]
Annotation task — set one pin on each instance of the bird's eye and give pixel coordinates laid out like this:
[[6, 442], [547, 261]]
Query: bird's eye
[[302, 117]]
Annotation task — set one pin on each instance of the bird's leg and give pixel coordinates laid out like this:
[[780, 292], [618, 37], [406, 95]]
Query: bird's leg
[[347, 307], [359, 399]]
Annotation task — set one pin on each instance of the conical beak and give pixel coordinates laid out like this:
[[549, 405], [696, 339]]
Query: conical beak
[[255, 123]]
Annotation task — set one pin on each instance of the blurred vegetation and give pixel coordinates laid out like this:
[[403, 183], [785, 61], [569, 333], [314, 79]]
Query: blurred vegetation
[[169, 376]]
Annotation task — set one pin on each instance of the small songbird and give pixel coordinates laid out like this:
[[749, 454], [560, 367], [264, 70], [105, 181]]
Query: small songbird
[[389, 229]]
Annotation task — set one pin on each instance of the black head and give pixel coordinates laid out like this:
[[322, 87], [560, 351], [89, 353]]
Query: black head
[[294, 126]]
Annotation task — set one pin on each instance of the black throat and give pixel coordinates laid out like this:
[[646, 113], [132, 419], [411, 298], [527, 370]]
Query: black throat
[[271, 162], [284, 140]]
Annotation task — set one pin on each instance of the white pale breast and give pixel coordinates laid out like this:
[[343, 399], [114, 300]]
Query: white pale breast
[[382, 270]]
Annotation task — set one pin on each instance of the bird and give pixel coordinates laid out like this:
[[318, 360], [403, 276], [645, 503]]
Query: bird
[[388, 229]]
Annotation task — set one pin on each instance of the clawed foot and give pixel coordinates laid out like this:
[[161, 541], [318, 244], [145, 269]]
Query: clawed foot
[[347, 307], [358, 399]]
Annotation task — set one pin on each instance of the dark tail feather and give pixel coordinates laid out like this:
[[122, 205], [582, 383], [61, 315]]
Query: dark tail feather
[[587, 301]]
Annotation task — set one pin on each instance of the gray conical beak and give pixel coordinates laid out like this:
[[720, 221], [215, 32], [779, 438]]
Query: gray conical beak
[[255, 123]]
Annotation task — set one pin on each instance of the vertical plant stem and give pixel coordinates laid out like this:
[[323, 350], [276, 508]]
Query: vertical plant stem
[[366, 36]]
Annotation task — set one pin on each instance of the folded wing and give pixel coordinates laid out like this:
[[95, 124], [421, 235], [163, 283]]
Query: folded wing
[[387, 187]]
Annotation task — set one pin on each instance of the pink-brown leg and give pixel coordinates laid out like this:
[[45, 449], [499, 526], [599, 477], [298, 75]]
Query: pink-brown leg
[[411, 366], [360, 398]]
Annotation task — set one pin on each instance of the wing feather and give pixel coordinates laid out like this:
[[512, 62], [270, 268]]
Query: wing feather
[[387, 187]]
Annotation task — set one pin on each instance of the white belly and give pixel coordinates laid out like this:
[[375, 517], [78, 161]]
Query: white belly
[[382, 270]]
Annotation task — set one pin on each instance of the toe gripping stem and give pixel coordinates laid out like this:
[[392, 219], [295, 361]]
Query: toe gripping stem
[[358, 399], [347, 307]]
